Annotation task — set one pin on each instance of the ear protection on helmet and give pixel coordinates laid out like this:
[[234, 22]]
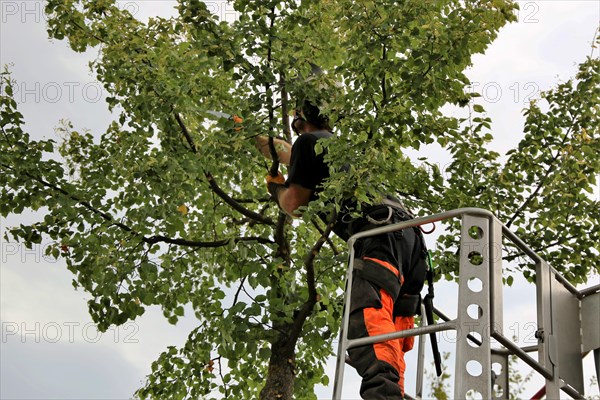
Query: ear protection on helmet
[[297, 116]]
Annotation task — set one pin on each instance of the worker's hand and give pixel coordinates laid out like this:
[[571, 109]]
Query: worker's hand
[[274, 185], [276, 179]]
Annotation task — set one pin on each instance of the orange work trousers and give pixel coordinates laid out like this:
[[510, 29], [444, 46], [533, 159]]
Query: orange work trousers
[[381, 365]]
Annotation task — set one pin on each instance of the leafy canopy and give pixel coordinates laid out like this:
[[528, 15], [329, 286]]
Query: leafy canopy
[[167, 207]]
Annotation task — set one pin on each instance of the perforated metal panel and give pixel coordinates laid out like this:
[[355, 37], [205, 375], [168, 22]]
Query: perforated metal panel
[[473, 361]]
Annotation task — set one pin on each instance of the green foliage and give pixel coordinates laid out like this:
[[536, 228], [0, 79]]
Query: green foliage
[[544, 189], [168, 206], [516, 379], [439, 385]]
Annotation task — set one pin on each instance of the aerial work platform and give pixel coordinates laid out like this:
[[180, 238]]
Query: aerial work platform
[[568, 319]]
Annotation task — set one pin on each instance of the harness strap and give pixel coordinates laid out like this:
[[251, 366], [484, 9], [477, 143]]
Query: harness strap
[[383, 221], [378, 274], [405, 305]]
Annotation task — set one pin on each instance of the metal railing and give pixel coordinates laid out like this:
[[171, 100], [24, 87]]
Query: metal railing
[[559, 346]]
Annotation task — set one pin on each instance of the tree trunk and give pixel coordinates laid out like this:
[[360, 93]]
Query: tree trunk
[[281, 375]]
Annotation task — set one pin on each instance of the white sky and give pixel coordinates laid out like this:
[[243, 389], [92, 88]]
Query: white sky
[[50, 349]]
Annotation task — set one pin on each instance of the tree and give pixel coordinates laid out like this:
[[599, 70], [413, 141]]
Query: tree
[[167, 207]]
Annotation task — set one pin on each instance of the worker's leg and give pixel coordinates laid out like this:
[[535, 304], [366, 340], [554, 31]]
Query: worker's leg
[[380, 364]]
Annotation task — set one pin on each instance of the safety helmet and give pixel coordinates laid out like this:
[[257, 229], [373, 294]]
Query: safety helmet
[[312, 114]]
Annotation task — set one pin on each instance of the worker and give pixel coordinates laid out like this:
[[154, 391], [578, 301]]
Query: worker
[[389, 268]]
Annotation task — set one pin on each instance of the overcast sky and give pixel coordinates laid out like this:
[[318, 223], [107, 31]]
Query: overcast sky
[[50, 349]]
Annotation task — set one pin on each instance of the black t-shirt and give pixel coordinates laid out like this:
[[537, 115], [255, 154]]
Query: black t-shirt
[[308, 169]]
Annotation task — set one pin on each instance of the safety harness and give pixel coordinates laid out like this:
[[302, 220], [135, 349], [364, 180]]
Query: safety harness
[[405, 304]]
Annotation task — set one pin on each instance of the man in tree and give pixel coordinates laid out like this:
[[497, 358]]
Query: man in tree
[[389, 268]]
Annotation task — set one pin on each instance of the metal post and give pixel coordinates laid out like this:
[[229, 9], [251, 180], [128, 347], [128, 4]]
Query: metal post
[[500, 389], [421, 358], [546, 353], [496, 297], [343, 344], [473, 363]]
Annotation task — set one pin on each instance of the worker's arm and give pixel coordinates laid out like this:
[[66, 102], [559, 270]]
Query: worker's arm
[[283, 148], [291, 198]]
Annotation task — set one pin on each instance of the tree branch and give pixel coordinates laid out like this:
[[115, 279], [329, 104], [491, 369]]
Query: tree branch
[[283, 250], [285, 117], [215, 187], [549, 170], [383, 80], [329, 241], [85, 204], [185, 131], [239, 289], [225, 386], [309, 304], [274, 170], [235, 205], [149, 240], [194, 243]]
